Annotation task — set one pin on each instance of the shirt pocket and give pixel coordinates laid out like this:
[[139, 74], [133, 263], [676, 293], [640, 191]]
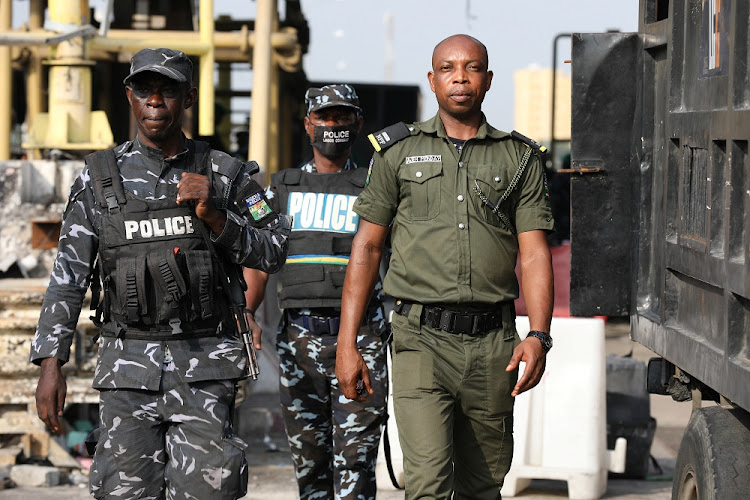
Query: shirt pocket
[[421, 187], [492, 182]]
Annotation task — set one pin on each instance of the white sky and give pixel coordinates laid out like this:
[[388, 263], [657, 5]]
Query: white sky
[[348, 42], [348, 38]]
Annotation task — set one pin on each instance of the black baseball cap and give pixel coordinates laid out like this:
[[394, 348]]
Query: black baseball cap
[[171, 63]]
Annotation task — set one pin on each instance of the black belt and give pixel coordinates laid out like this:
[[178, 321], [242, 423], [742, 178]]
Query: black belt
[[316, 325], [454, 321], [323, 325]]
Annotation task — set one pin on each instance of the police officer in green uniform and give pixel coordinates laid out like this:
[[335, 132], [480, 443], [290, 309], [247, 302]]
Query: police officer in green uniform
[[464, 200]]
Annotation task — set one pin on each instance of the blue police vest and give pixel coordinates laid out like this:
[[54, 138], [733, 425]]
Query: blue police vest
[[322, 234]]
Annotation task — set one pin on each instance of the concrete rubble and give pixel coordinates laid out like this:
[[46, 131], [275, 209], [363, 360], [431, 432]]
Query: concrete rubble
[[25, 439], [35, 475], [5, 481], [30, 192]]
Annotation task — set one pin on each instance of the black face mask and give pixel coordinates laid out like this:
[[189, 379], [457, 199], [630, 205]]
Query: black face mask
[[334, 141]]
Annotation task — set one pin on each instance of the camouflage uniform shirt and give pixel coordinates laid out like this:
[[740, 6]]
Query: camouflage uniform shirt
[[132, 363]]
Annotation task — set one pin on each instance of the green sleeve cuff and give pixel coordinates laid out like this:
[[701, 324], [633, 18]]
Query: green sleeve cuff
[[534, 218], [374, 212]]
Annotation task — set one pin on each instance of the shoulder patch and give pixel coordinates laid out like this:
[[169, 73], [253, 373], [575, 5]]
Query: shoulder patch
[[528, 141], [389, 136], [257, 206], [369, 170]]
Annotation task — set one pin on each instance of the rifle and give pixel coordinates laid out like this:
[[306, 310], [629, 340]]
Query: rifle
[[238, 308], [235, 292], [233, 288]]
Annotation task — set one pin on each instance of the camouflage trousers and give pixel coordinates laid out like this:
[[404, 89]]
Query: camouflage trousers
[[333, 440], [176, 443]]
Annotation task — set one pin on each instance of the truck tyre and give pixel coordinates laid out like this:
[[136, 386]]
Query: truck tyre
[[714, 458]]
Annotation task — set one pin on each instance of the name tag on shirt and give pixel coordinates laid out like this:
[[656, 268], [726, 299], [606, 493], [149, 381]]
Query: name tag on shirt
[[423, 159]]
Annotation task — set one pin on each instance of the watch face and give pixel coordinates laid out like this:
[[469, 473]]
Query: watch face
[[544, 338]]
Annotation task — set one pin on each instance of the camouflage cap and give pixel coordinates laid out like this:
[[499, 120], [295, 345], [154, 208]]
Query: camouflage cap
[[170, 63], [330, 96]]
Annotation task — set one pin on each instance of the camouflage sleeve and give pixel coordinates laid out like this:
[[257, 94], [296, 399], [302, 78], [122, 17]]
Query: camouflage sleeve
[[71, 275], [254, 235]]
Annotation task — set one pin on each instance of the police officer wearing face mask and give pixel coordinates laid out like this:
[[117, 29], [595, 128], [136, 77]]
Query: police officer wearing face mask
[[333, 439]]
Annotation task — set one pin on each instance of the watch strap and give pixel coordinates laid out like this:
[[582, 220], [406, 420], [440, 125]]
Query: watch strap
[[544, 338]]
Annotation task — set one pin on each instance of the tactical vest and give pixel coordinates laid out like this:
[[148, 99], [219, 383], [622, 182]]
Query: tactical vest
[[158, 276], [322, 234]]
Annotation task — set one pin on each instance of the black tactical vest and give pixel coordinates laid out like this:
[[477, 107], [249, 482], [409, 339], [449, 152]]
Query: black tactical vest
[[322, 234], [158, 276]]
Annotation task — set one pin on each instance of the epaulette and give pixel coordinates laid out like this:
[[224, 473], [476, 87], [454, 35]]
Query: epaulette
[[531, 142], [389, 136]]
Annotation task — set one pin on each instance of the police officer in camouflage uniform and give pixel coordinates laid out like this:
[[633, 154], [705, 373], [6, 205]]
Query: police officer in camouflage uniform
[[464, 200], [169, 353], [333, 439]]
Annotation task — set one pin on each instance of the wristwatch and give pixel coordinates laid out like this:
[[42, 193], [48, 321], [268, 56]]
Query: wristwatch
[[544, 338]]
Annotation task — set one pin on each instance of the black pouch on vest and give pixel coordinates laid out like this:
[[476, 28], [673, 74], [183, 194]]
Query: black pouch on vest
[[170, 286], [132, 292], [200, 272]]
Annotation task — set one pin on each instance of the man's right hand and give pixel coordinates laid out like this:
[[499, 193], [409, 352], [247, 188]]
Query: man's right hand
[[351, 367], [50, 393], [255, 330]]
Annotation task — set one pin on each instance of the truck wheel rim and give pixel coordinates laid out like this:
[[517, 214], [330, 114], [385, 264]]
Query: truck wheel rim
[[689, 489]]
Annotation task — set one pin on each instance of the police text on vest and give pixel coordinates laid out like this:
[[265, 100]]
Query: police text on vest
[[323, 212], [154, 228]]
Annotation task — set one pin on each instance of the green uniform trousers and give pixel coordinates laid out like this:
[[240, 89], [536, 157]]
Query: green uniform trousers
[[453, 408]]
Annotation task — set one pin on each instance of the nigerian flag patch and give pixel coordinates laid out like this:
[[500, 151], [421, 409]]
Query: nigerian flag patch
[[257, 206]]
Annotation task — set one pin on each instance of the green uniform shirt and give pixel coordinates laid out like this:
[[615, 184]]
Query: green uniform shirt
[[448, 245]]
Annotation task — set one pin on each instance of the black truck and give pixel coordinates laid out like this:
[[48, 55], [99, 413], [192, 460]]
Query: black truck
[[660, 222]]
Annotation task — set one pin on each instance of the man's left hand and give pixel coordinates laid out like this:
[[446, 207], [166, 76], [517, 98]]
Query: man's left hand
[[531, 352]]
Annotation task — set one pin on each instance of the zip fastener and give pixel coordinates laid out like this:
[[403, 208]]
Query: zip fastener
[[225, 198]]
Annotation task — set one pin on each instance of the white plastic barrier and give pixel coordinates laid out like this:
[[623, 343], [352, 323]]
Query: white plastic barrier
[[382, 475], [560, 425]]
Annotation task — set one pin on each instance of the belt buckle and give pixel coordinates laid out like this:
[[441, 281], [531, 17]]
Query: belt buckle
[[463, 323], [432, 316], [319, 325]]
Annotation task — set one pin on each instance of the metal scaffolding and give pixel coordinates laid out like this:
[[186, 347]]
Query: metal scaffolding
[[70, 46]]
